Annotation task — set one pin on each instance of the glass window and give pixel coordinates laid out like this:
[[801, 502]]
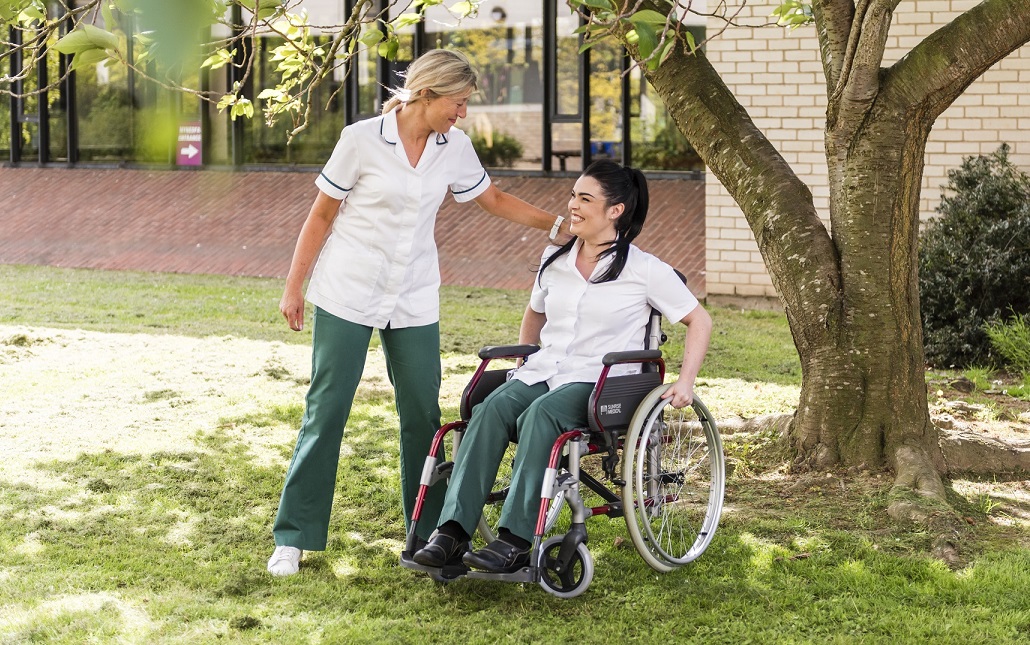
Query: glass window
[[606, 101], [5, 128], [315, 143], [23, 110], [505, 44], [105, 113], [657, 143], [567, 76], [567, 127]]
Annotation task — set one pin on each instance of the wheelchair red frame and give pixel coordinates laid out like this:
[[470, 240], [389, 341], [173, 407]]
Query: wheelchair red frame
[[627, 417]]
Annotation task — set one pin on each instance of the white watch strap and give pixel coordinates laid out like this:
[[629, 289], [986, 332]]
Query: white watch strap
[[557, 227]]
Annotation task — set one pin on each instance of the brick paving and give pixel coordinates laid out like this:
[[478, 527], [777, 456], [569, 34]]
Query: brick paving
[[246, 223]]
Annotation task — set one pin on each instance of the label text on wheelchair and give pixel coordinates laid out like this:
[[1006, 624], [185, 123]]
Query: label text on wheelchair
[[611, 408]]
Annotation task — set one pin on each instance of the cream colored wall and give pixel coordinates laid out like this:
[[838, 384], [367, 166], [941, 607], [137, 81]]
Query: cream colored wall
[[776, 75]]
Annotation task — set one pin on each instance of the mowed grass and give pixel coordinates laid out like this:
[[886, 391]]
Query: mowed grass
[[753, 345], [170, 547]]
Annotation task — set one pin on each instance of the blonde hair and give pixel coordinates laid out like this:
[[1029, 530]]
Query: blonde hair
[[438, 72]]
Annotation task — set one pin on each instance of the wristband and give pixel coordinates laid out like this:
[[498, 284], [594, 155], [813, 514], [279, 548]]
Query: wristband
[[557, 227]]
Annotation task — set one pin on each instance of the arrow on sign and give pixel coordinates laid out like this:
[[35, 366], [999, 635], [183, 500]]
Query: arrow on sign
[[190, 151]]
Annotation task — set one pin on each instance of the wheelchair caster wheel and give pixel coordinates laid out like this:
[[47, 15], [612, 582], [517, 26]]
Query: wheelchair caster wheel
[[577, 575]]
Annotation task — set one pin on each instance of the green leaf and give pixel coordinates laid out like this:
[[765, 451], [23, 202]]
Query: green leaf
[[647, 38], [649, 16], [85, 38], [462, 9], [226, 101], [389, 49], [271, 93], [604, 5], [31, 14], [219, 59], [690, 42], [793, 14], [88, 57], [108, 15], [587, 45], [371, 37], [7, 10], [242, 107], [406, 20], [590, 27], [667, 48]]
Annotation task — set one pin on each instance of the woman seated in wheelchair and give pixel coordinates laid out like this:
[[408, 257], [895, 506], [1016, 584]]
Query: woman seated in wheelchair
[[592, 296]]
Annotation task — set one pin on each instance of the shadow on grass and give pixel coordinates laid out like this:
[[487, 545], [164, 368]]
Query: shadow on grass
[[171, 547]]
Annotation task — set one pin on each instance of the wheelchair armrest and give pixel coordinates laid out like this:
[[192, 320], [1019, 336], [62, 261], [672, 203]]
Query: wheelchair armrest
[[635, 356], [507, 351]]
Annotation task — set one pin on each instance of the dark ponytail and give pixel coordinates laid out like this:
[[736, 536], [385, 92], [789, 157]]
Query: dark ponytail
[[620, 185]]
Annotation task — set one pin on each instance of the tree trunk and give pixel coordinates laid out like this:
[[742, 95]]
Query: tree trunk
[[852, 299], [864, 399]]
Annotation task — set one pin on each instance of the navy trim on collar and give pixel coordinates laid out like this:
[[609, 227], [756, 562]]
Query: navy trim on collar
[[381, 125], [441, 138]]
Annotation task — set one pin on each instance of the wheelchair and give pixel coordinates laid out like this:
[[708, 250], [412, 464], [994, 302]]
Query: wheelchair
[[664, 468]]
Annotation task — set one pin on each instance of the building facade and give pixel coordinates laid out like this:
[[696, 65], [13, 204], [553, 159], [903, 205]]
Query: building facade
[[777, 76], [545, 109]]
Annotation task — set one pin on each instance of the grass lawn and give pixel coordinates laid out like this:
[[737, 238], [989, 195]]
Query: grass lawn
[[167, 406]]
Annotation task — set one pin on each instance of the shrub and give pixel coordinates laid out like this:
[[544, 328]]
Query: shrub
[[669, 150], [497, 149], [1011, 340], [974, 261]]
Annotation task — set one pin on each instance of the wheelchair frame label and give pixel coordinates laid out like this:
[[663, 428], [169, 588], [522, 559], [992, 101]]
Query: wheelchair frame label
[[611, 408]]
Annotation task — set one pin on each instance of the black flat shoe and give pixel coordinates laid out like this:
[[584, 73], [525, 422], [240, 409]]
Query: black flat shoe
[[498, 557], [440, 550]]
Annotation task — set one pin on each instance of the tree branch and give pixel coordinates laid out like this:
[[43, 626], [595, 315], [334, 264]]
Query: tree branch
[[802, 260], [833, 20], [946, 62], [858, 83]]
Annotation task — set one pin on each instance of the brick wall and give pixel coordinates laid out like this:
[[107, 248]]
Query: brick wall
[[776, 75], [246, 223]]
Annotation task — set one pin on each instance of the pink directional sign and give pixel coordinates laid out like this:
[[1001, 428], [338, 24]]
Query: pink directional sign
[[188, 146]]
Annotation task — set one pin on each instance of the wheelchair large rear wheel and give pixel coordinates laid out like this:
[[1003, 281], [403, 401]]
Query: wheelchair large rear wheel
[[675, 478]]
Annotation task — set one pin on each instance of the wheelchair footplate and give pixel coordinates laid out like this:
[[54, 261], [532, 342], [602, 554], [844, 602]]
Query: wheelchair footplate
[[525, 574], [444, 573], [459, 570]]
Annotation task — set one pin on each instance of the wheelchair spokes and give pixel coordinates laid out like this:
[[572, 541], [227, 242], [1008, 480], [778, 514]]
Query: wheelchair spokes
[[675, 481]]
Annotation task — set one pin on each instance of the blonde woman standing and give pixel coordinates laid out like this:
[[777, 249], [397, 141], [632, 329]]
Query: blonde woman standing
[[368, 246]]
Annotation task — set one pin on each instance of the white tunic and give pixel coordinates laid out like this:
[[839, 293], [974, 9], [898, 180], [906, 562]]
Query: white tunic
[[379, 265], [586, 320]]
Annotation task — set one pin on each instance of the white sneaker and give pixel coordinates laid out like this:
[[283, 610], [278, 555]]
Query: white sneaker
[[285, 561]]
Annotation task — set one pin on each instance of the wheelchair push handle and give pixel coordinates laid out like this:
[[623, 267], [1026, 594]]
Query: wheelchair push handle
[[507, 351]]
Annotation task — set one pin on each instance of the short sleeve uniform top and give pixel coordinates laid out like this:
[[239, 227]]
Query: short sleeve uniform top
[[379, 264], [586, 320]]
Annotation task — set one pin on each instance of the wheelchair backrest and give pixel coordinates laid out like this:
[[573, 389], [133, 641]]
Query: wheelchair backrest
[[479, 389]]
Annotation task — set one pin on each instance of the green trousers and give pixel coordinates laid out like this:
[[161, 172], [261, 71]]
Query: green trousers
[[533, 416], [338, 355]]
